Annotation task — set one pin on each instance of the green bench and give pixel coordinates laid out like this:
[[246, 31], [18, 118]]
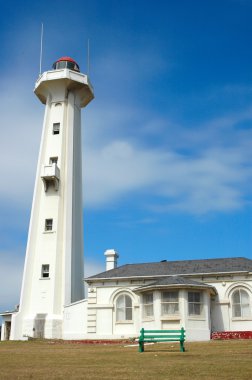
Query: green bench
[[161, 336]]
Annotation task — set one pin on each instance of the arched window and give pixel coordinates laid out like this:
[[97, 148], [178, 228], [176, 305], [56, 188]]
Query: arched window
[[124, 308], [241, 307]]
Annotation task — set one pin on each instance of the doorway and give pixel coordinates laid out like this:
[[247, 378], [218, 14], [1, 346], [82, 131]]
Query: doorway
[[7, 326]]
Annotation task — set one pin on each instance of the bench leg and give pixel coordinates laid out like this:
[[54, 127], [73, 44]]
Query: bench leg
[[182, 348], [141, 347]]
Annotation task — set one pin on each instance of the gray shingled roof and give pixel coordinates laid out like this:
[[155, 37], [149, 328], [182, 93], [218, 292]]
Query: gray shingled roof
[[185, 267], [174, 281]]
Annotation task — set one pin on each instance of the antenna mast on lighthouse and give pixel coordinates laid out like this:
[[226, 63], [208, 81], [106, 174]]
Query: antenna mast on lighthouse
[[88, 58], [41, 48]]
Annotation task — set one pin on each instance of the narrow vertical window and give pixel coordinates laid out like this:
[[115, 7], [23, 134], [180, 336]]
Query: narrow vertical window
[[194, 303], [48, 225], [45, 271], [53, 160], [170, 303], [56, 128], [148, 305]]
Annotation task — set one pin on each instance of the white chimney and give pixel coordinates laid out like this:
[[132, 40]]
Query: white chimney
[[111, 258]]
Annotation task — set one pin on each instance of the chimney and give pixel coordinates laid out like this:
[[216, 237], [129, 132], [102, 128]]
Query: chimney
[[111, 258]]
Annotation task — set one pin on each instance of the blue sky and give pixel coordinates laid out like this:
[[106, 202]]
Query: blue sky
[[166, 141]]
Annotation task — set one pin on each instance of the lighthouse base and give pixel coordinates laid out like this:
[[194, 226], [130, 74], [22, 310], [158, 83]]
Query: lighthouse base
[[36, 326]]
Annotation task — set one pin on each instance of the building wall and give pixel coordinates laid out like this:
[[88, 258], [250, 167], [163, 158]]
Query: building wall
[[103, 324], [222, 314], [216, 314], [75, 320], [95, 317]]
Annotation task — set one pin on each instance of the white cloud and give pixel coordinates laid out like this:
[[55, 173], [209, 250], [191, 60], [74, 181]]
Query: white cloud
[[214, 179]]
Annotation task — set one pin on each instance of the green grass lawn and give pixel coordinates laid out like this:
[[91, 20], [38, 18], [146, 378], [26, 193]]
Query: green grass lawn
[[57, 360]]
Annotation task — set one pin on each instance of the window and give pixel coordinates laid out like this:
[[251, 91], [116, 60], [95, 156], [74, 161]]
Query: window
[[45, 271], [148, 305], [53, 160], [241, 307], [48, 225], [66, 65], [56, 128], [194, 303], [170, 303], [124, 308]]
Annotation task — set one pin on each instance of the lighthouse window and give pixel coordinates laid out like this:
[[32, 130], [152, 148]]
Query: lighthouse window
[[45, 271], [48, 224], [53, 160], [61, 65], [56, 128], [66, 65]]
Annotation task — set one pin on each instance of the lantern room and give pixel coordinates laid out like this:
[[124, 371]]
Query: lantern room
[[66, 63]]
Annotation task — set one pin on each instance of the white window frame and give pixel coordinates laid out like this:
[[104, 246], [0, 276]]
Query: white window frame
[[53, 160], [195, 305], [48, 225], [124, 308], [242, 306], [169, 304], [45, 271], [148, 309], [56, 129]]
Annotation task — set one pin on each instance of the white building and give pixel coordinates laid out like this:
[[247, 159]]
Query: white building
[[201, 295], [53, 271]]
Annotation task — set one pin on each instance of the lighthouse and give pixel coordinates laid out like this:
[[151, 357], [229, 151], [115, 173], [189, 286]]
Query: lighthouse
[[53, 271]]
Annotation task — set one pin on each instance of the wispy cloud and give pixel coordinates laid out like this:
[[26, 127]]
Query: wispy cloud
[[216, 180], [201, 169]]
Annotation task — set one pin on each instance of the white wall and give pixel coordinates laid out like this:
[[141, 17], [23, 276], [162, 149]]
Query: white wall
[[102, 300], [75, 320], [222, 318], [216, 314]]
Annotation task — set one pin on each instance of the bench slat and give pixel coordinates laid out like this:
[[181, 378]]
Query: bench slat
[[163, 340], [162, 331], [162, 336]]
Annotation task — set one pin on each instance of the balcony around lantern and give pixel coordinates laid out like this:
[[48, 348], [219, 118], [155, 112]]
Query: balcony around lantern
[[50, 175]]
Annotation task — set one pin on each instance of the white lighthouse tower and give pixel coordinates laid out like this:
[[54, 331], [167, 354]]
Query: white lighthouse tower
[[53, 272]]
